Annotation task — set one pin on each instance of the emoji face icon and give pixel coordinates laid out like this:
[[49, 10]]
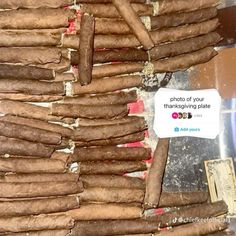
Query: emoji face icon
[[175, 115]]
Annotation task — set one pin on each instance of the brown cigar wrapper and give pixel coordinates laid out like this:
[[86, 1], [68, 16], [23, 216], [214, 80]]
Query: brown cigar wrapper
[[12, 4], [28, 39], [112, 195], [172, 34], [25, 72], [86, 49], [158, 52], [155, 174], [28, 165], [87, 111], [32, 87], [42, 177], [105, 212], [12, 130], [108, 85], [34, 223], [58, 232], [148, 224], [108, 132], [115, 167], [111, 153], [131, 18], [108, 70], [197, 228], [27, 110], [110, 11], [112, 181], [20, 147], [106, 1], [29, 98], [97, 122], [38, 124], [130, 138], [36, 19], [64, 77], [169, 6], [118, 26], [38, 206], [41, 189], [183, 62], [29, 55], [117, 98]]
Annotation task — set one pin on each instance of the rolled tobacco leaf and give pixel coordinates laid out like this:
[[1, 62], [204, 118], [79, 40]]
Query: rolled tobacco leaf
[[131, 18], [155, 174], [89, 111], [38, 206], [59, 232], [105, 212], [86, 49], [111, 153]]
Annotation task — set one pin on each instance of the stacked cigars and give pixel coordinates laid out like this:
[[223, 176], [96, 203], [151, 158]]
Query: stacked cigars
[[63, 130]]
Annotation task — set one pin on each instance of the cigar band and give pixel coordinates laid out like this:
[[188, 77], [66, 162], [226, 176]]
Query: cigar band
[[155, 8], [148, 68], [146, 21]]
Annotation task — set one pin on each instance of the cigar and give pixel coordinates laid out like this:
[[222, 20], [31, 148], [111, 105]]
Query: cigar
[[86, 49], [111, 153], [118, 26], [117, 98], [20, 147], [89, 111], [169, 6], [105, 212], [155, 174], [25, 72], [40, 189], [146, 225], [128, 13], [185, 61], [156, 53], [32, 87], [38, 124], [35, 223], [130, 138], [158, 36], [105, 85], [97, 122], [13, 4], [28, 165], [29, 18], [197, 228], [109, 10], [64, 77], [59, 232], [108, 132], [112, 195], [41, 31], [111, 168], [182, 18], [29, 55], [174, 199], [112, 181], [29, 98], [42, 177], [26, 110], [38, 206], [29, 39], [108, 70]]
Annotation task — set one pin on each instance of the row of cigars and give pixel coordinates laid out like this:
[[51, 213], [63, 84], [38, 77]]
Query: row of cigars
[[65, 166]]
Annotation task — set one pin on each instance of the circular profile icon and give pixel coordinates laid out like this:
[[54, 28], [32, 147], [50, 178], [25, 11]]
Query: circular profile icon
[[175, 115]]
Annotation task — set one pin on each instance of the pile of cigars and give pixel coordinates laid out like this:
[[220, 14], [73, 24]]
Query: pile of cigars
[[69, 71]]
